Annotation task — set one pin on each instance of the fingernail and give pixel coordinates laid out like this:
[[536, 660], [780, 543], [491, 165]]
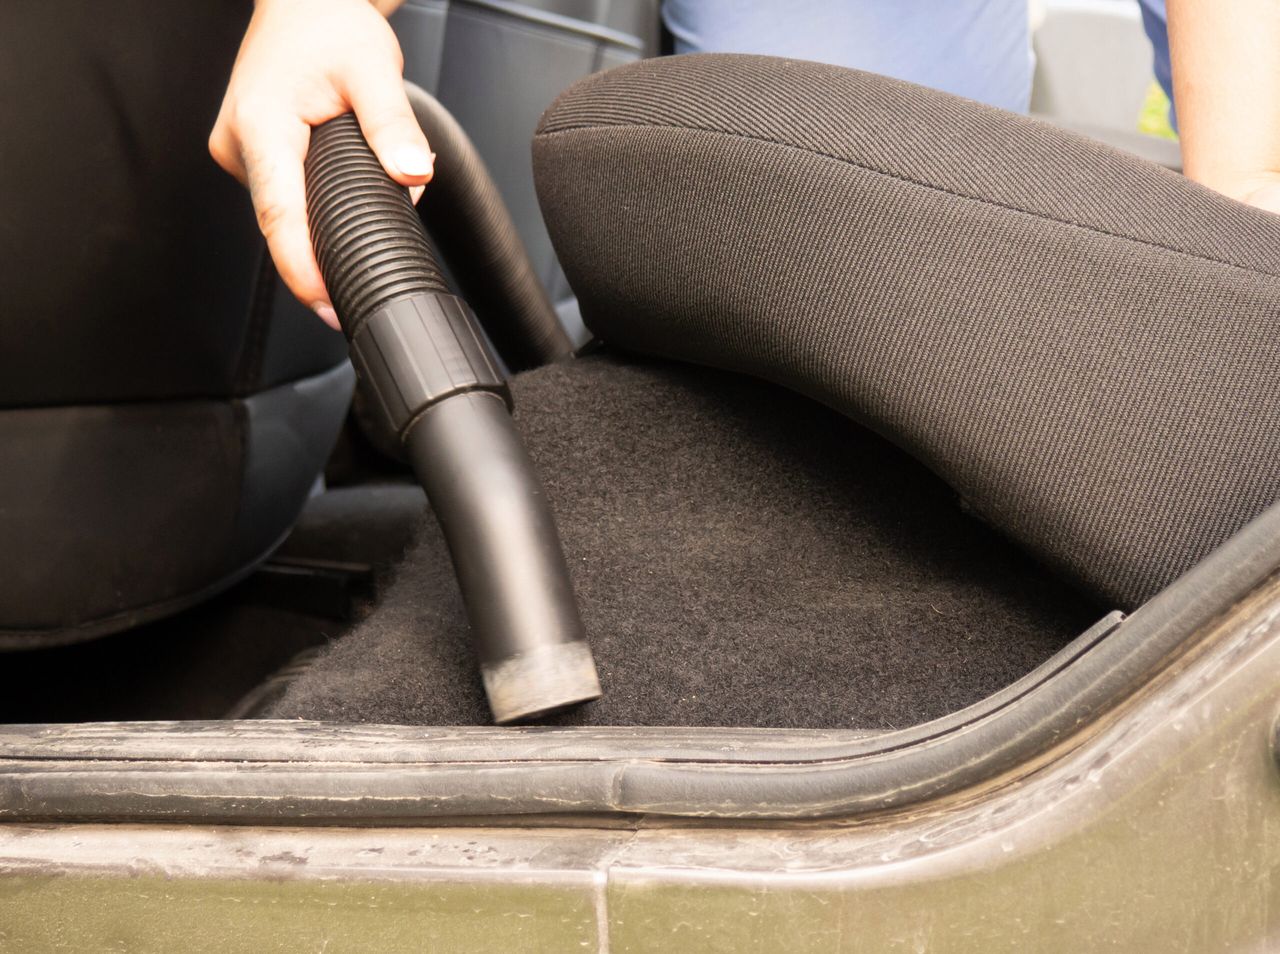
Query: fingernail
[[413, 161], [326, 313], [415, 193]]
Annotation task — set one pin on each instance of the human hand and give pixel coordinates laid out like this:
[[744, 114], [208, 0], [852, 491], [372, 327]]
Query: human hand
[[1261, 191], [301, 63]]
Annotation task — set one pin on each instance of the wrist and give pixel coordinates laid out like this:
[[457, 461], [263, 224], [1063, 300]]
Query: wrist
[[1263, 194], [1260, 188], [1237, 184]]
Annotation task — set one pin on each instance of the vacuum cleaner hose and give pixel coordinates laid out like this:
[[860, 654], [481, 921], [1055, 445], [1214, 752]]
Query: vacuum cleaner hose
[[466, 216], [420, 354]]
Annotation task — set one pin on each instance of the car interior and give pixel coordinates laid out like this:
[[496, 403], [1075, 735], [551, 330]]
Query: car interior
[[863, 406]]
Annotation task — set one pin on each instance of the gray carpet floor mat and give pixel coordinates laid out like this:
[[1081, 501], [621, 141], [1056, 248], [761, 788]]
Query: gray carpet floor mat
[[743, 556]]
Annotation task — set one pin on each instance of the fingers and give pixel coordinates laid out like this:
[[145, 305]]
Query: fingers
[[377, 96], [272, 156], [291, 75]]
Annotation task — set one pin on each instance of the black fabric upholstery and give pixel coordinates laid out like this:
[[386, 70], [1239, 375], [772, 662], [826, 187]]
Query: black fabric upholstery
[[1080, 342], [151, 445], [114, 515], [129, 262], [743, 556]]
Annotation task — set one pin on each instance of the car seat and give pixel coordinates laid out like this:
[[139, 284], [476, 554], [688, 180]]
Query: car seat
[[1078, 341], [165, 407]]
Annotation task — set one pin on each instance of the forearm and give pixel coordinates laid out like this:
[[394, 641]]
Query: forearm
[[1226, 78]]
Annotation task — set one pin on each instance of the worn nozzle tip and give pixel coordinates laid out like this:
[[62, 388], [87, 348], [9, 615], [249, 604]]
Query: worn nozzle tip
[[539, 681]]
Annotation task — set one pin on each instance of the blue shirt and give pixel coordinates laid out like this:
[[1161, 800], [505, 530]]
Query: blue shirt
[[1156, 22], [975, 48]]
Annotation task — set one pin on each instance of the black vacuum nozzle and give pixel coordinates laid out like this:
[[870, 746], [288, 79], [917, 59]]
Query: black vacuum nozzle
[[420, 354]]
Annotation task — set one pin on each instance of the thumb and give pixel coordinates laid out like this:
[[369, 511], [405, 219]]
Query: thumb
[[388, 123]]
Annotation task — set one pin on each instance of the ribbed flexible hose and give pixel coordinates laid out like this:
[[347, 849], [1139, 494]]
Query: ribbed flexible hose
[[425, 365], [368, 240], [466, 216]]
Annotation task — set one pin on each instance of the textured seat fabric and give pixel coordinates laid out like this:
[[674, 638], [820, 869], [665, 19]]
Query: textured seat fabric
[[164, 410], [1081, 343]]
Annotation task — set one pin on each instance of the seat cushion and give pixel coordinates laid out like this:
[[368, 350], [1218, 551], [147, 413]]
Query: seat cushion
[[113, 515], [1080, 342]]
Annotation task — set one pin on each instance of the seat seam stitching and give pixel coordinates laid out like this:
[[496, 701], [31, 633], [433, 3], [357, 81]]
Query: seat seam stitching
[[916, 182]]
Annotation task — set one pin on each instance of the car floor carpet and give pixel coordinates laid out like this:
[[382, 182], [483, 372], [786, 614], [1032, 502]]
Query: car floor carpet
[[743, 557], [198, 663]]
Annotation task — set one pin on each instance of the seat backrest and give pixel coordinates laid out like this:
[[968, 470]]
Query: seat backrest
[[1080, 342], [164, 408]]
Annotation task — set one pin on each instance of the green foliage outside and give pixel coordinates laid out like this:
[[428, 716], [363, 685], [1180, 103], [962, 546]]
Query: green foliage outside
[[1154, 118]]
